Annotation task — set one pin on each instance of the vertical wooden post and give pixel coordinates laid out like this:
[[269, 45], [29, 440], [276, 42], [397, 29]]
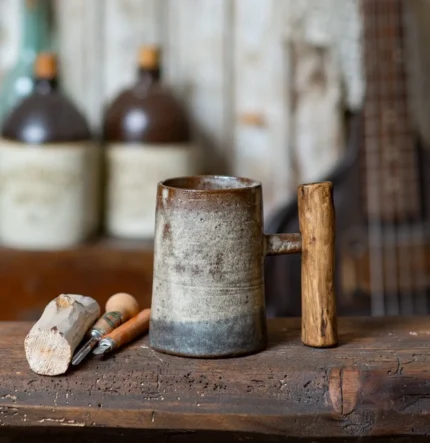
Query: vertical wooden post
[[317, 220]]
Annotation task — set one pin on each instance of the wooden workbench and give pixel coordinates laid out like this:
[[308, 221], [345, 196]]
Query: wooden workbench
[[376, 383]]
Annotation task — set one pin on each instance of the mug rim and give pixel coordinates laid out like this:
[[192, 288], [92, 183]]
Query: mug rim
[[247, 183]]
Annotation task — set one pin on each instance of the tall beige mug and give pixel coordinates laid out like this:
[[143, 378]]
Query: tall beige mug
[[208, 288]]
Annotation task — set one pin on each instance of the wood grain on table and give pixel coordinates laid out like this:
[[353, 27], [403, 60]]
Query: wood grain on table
[[375, 383]]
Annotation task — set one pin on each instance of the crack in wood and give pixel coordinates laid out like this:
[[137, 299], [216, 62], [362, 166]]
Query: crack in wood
[[398, 366], [341, 390]]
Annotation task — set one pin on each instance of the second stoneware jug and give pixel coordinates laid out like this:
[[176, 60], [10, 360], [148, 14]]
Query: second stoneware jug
[[208, 288]]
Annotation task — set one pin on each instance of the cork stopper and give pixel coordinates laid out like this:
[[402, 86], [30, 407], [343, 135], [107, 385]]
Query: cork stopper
[[149, 57], [45, 65]]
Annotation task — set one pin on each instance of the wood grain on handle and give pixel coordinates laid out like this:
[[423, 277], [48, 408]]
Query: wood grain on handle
[[131, 329], [277, 244], [317, 219]]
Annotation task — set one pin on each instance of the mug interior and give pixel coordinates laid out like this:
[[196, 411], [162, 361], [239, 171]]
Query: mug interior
[[210, 183]]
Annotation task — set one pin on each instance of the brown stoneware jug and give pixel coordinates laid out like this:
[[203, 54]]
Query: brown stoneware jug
[[208, 291]]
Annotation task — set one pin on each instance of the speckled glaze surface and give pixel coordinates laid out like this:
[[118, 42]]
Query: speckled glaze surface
[[208, 293]]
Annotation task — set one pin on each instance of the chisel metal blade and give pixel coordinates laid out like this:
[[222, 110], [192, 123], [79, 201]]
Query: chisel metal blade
[[103, 347], [85, 350]]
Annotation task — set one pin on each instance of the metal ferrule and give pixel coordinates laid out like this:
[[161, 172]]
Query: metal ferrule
[[96, 333], [105, 345]]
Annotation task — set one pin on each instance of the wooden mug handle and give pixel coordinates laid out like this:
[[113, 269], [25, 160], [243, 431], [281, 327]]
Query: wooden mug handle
[[316, 243], [317, 227]]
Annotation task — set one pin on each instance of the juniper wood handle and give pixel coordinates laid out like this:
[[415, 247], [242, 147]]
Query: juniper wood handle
[[277, 244], [119, 308], [317, 227], [131, 329]]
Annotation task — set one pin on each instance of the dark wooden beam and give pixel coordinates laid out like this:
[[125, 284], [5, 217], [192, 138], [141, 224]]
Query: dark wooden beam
[[376, 383]]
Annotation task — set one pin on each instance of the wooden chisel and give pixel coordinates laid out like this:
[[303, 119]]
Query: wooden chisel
[[119, 308], [124, 334]]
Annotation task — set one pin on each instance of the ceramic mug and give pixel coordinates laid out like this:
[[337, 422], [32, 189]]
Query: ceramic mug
[[208, 284]]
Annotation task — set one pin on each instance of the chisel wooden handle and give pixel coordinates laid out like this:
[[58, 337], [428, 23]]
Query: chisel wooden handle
[[119, 308], [130, 330]]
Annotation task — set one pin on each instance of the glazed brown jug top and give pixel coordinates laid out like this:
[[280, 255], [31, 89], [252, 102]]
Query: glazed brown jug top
[[147, 138], [49, 169], [46, 115], [147, 112]]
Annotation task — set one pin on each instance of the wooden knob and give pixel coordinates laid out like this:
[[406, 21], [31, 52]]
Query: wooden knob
[[45, 65], [317, 227], [124, 303]]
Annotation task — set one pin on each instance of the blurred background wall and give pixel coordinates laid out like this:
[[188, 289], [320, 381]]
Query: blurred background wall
[[268, 85], [267, 82]]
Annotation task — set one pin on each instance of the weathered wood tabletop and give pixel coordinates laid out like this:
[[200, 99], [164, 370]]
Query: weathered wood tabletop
[[376, 383]]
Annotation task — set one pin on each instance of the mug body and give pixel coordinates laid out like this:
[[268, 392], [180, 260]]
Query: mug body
[[208, 289]]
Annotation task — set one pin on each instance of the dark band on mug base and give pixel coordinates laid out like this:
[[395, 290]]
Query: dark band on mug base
[[212, 339]]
